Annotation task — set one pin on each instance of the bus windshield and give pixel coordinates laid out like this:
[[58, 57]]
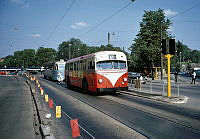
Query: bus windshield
[[111, 65], [61, 67]]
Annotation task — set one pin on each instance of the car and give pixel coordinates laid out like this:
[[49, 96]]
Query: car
[[132, 76]]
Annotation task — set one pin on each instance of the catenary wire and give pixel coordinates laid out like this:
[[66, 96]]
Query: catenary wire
[[106, 19]]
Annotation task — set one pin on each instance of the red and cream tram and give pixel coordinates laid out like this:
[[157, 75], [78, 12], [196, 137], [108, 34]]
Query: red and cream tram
[[98, 72]]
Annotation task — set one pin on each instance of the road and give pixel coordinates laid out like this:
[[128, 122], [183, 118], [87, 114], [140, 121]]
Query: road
[[120, 115], [16, 110]]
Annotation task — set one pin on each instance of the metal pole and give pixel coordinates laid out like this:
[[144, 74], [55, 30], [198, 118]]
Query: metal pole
[[108, 38], [163, 88], [168, 56], [180, 61], [161, 55], [178, 90], [150, 87], [69, 51]]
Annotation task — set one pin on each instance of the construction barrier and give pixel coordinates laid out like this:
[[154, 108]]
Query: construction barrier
[[51, 103], [46, 98], [58, 111], [75, 128]]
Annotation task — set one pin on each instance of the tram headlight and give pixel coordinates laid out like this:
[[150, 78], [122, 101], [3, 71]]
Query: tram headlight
[[122, 82], [100, 80], [125, 79]]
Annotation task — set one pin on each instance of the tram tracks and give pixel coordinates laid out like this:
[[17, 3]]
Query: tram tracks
[[135, 132], [158, 113], [193, 124]]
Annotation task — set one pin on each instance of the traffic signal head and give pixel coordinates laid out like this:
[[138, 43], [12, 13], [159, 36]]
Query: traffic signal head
[[172, 46], [164, 46]]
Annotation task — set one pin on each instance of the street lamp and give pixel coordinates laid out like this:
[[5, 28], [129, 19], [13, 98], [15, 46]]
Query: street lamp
[[70, 50], [180, 61]]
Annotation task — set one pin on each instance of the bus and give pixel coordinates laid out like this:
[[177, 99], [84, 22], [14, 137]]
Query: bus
[[55, 70], [102, 71]]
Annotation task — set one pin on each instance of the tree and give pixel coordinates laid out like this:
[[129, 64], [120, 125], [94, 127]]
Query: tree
[[8, 62], [44, 55], [195, 56], [25, 58], [146, 49], [71, 49], [75, 48]]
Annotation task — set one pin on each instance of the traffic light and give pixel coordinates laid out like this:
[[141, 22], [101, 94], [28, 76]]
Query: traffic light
[[172, 46], [164, 46]]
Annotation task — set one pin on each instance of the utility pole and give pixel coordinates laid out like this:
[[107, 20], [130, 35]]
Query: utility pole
[[108, 38], [69, 51], [161, 54]]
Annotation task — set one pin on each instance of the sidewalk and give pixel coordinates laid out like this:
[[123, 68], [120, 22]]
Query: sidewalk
[[155, 95], [16, 109]]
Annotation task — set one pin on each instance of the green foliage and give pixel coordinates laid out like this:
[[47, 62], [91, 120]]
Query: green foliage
[[145, 51], [75, 48], [44, 55], [25, 58]]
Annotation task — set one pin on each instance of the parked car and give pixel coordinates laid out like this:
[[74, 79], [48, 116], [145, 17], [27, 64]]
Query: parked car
[[134, 75]]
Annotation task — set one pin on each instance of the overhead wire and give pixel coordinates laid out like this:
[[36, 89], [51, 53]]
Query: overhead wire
[[106, 19], [67, 10], [194, 6]]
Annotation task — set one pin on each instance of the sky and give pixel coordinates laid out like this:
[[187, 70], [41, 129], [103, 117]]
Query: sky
[[29, 24]]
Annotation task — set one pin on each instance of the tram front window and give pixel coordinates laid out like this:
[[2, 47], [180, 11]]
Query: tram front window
[[111, 65], [61, 67]]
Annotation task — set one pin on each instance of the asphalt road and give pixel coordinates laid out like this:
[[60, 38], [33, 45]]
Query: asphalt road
[[119, 116], [16, 111]]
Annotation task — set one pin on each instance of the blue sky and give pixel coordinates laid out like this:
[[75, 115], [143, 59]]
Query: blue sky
[[26, 24]]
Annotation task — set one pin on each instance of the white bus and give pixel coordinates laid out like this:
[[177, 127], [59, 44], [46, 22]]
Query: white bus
[[98, 72]]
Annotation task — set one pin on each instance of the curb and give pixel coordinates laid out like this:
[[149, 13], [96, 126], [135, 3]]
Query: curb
[[158, 97], [44, 127]]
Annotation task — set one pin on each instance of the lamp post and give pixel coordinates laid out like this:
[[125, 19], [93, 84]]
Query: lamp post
[[69, 51], [180, 61]]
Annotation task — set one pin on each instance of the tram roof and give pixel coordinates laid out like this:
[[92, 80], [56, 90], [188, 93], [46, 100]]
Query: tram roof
[[93, 55]]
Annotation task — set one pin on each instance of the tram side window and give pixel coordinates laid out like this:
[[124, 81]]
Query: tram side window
[[66, 66], [81, 65], [71, 66], [91, 65]]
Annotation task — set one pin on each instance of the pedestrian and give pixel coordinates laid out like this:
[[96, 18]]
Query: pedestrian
[[193, 77], [176, 77]]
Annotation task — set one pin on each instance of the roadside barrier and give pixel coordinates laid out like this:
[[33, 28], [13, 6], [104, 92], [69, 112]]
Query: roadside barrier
[[152, 88], [46, 98], [50, 103], [58, 111], [75, 127]]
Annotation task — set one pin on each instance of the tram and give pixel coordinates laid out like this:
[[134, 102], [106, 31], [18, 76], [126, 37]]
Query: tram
[[103, 71], [55, 70]]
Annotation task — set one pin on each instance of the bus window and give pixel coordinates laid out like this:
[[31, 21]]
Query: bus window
[[122, 65], [104, 65], [111, 65], [81, 65]]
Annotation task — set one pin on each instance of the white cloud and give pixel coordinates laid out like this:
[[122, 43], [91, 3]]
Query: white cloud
[[169, 12], [34, 35], [170, 29], [79, 25], [20, 2]]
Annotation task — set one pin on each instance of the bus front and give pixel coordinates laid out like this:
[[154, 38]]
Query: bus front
[[111, 71]]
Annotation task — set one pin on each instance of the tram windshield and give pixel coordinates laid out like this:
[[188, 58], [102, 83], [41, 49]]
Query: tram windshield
[[111, 64], [61, 67]]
